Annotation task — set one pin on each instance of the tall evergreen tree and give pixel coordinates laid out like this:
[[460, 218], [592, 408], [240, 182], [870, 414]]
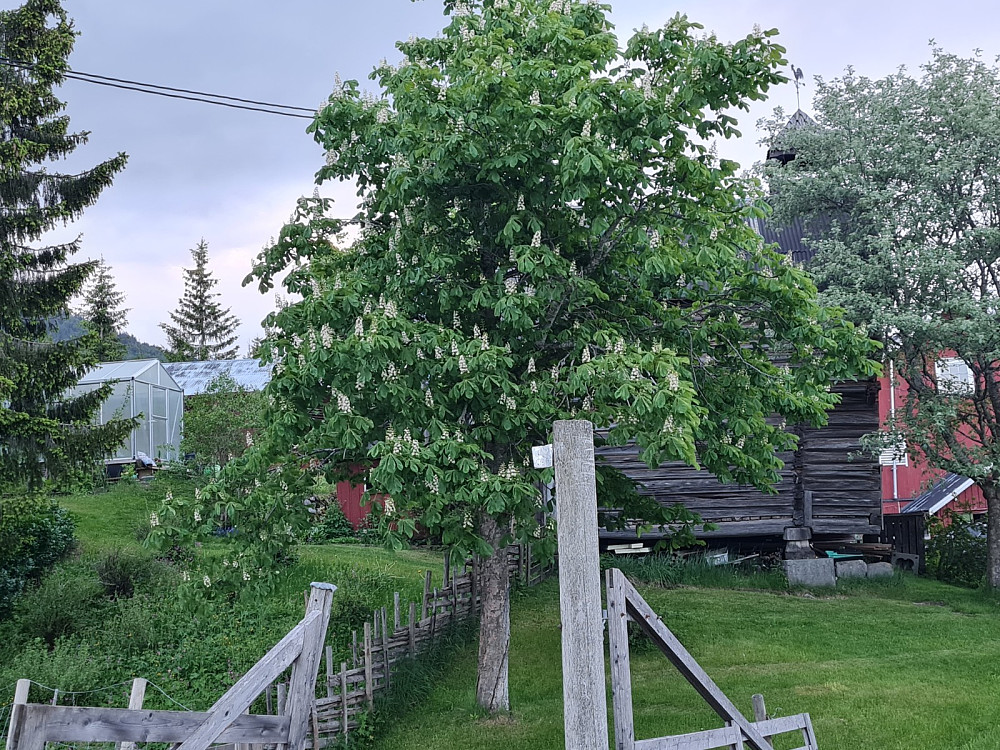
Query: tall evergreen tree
[[202, 329], [104, 315], [42, 432]]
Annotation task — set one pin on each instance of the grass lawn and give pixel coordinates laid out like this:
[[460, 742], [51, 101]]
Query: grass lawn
[[110, 519], [908, 664]]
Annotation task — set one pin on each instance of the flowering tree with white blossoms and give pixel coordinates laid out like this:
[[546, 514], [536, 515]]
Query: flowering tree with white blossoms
[[543, 235]]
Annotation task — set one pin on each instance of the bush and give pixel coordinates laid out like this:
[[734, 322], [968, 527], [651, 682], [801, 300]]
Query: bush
[[121, 571], [63, 604], [332, 526], [30, 548], [956, 552]]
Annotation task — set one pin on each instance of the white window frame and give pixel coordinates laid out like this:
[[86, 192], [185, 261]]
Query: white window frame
[[954, 377]]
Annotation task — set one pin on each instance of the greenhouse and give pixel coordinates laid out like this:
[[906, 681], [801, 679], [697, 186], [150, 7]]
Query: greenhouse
[[142, 389]]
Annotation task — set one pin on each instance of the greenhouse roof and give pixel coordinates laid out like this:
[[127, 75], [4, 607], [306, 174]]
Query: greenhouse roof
[[139, 369], [194, 377]]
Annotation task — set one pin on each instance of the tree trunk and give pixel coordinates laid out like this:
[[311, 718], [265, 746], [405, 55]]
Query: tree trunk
[[492, 691], [992, 494]]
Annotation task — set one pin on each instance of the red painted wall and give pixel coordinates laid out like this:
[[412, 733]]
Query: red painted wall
[[917, 476]]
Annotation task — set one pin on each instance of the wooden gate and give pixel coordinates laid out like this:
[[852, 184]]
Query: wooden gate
[[32, 725], [624, 604]]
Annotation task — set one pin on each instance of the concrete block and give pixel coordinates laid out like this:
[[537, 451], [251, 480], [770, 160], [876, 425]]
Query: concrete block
[[797, 533], [880, 570], [813, 573], [798, 551], [852, 569]]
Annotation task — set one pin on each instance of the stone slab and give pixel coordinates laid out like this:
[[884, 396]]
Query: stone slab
[[797, 533], [880, 570], [813, 573], [852, 569]]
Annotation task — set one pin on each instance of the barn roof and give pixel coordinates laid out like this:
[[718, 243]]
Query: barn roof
[[194, 377], [938, 496]]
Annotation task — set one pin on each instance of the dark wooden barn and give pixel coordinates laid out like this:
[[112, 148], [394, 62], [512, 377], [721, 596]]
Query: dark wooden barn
[[827, 484]]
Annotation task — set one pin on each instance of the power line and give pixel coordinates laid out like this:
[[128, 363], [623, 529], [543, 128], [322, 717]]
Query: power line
[[152, 88]]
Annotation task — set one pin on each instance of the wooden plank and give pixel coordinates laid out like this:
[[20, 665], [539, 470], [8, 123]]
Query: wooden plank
[[782, 724], [679, 656], [31, 730], [282, 694], [21, 691], [412, 629], [423, 601], [75, 724], [328, 657], [302, 684], [385, 651], [621, 671], [710, 739], [343, 697], [135, 699], [395, 608], [369, 686]]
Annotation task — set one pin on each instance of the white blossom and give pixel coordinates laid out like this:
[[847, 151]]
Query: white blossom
[[454, 348], [585, 132], [620, 346], [636, 375], [535, 99], [585, 355], [536, 240], [197, 516], [673, 380], [428, 397], [154, 520], [246, 575], [185, 576], [207, 581], [249, 438], [359, 327], [510, 285], [463, 366], [520, 203]]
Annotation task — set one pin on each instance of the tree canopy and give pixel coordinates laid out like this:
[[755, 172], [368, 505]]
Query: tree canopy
[[543, 234], [201, 328], [103, 314], [43, 432], [899, 180]]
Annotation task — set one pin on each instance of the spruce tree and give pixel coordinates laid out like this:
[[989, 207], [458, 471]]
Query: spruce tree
[[202, 329], [43, 433], [103, 314]]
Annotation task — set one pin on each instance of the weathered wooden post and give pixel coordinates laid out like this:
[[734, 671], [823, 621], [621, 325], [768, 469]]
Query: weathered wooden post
[[585, 709], [135, 700]]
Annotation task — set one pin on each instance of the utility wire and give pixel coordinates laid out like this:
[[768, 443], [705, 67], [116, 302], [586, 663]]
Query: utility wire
[[152, 88]]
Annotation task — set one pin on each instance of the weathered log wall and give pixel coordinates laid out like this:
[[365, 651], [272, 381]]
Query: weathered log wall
[[845, 484]]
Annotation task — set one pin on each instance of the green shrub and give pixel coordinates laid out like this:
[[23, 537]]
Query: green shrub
[[332, 526], [956, 552], [64, 603], [30, 548], [121, 571]]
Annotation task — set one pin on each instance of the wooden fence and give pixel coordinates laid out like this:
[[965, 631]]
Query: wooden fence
[[295, 717], [347, 691], [626, 605], [34, 724]]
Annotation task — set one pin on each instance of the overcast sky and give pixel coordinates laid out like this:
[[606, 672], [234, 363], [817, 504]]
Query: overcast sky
[[232, 177]]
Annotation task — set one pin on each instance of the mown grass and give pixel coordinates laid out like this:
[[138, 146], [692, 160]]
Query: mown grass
[[903, 663]]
